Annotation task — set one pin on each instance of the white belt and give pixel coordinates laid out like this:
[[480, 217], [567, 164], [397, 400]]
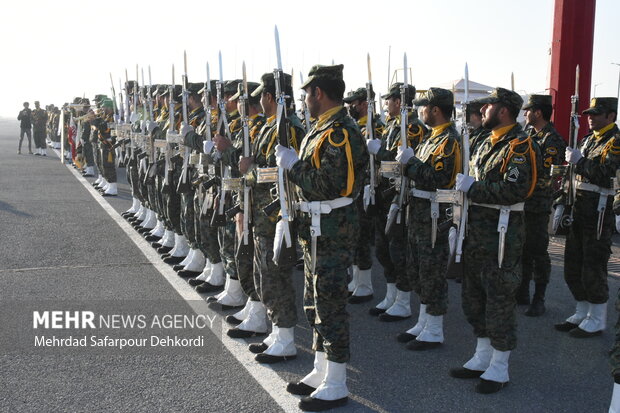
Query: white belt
[[604, 194], [431, 196], [583, 186], [316, 208]]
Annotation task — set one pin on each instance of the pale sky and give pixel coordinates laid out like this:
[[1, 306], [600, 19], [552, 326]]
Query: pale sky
[[54, 51]]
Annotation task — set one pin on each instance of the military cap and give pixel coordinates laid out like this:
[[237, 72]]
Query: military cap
[[505, 96], [160, 90], [395, 91], [268, 84], [213, 87], [538, 101], [84, 101], [107, 103], [77, 100], [252, 86], [230, 87], [599, 106], [360, 94], [435, 96], [194, 88], [99, 97], [474, 107], [177, 92], [129, 84], [320, 72]]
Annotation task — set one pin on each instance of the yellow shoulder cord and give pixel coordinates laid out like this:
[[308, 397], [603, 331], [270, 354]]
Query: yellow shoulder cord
[[274, 136], [610, 147], [529, 151], [418, 135], [253, 132], [294, 143], [316, 159], [456, 150]]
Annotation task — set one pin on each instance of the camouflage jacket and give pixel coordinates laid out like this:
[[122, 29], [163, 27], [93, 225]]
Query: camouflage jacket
[[263, 150], [476, 136], [333, 157], [231, 155], [100, 124], [504, 174], [390, 138], [379, 126], [195, 138], [552, 148], [39, 119], [601, 159]]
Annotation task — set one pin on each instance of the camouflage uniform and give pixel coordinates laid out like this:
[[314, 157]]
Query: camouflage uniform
[[106, 144], [324, 173], [585, 257], [433, 167], [39, 120], [505, 172]]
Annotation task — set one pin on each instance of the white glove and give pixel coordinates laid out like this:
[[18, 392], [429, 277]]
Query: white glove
[[150, 126], [464, 182], [117, 119], [207, 146], [185, 129], [404, 156], [286, 157], [134, 117], [573, 155], [618, 223], [373, 145], [366, 197]]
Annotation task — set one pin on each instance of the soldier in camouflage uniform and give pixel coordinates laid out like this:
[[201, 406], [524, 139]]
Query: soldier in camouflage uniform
[[588, 244], [106, 146], [39, 120], [434, 166], [503, 174], [477, 132], [536, 259], [391, 249], [329, 175], [360, 286], [274, 283]]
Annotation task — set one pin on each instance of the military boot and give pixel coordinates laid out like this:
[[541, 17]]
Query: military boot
[[537, 308]]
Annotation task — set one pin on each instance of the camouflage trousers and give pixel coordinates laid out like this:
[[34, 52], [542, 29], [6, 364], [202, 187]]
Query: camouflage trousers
[[363, 258], [325, 291], [108, 157], [187, 217], [244, 260], [536, 259], [390, 249], [209, 237], [226, 237], [97, 157], [488, 292], [134, 180], [88, 148], [274, 284], [615, 351], [426, 265], [39, 138], [585, 257], [172, 201]]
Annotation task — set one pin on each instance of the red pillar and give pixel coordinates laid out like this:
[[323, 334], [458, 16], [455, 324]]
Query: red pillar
[[572, 44]]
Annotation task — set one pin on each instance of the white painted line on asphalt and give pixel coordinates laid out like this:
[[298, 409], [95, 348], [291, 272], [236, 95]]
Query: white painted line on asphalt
[[264, 375]]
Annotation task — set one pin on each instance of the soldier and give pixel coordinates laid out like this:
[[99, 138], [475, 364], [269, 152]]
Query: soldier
[[360, 286], [39, 120], [477, 132], [25, 118], [502, 176], [391, 249], [588, 244], [434, 166], [274, 283], [106, 146], [536, 259], [329, 175]]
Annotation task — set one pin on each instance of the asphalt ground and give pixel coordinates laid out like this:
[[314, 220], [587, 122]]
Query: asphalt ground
[[58, 243]]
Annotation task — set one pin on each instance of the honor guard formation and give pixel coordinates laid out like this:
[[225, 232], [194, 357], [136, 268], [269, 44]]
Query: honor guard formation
[[235, 186]]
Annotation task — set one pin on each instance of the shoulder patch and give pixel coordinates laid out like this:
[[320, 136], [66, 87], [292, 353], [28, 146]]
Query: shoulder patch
[[439, 166], [551, 150], [513, 174], [548, 162], [518, 159], [332, 150]]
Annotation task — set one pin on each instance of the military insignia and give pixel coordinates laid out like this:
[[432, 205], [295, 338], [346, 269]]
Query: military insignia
[[513, 174], [518, 159], [332, 150], [548, 162], [593, 103], [551, 150], [439, 166]]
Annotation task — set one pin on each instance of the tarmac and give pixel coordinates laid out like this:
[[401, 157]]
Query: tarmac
[[62, 242]]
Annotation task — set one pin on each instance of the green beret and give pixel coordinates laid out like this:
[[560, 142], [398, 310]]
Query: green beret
[[394, 91], [107, 103], [507, 97], [360, 94], [599, 106], [268, 84], [320, 72], [435, 96], [536, 101]]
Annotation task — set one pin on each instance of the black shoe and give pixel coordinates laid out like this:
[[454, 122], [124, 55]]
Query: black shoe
[[207, 287], [300, 389], [178, 267], [388, 318], [195, 282], [256, 348], [463, 373], [173, 260], [237, 333], [188, 273], [565, 326], [405, 337], [37, 154], [310, 404], [489, 386], [269, 359], [231, 319], [144, 230], [417, 345], [156, 245], [106, 194], [376, 311], [358, 299], [536, 309], [152, 238], [579, 333]]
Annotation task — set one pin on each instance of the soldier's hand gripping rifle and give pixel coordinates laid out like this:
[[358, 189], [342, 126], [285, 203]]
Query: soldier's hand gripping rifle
[[563, 216], [219, 216], [171, 135], [245, 247], [370, 134], [207, 175], [183, 184], [396, 213]]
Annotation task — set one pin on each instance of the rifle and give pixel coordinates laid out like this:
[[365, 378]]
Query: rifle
[[208, 183], [171, 136], [565, 218], [370, 134], [114, 96], [219, 216], [183, 184], [245, 247], [396, 209]]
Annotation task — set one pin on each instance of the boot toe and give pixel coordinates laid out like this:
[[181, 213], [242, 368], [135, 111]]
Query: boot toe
[[375, 311], [269, 359], [358, 299], [405, 337], [256, 348], [310, 404], [388, 318], [463, 373], [579, 333], [565, 326], [238, 333], [300, 389], [417, 345], [231, 319], [489, 386]]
